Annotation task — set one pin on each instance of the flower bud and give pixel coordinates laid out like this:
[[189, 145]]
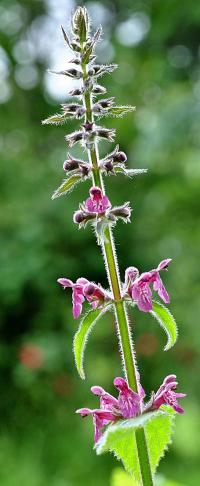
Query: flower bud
[[79, 217], [107, 133], [76, 92], [123, 212], [70, 164], [72, 73], [106, 103], [88, 126], [98, 89], [85, 169], [74, 137], [120, 157], [80, 24], [108, 165], [75, 46], [70, 108]]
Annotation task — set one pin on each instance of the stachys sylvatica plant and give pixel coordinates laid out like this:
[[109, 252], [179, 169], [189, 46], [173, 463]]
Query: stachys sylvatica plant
[[135, 429]]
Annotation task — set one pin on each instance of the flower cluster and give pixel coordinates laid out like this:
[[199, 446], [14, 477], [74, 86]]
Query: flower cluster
[[113, 160], [138, 286], [83, 290], [129, 404], [98, 206]]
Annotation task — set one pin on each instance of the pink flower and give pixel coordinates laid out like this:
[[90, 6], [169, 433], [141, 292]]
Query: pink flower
[[166, 395], [97, 208], [83, 289], [97, 202], [129, 401], [100, 419], [138, 286], [127, 405], [77, 293], [95, 294]]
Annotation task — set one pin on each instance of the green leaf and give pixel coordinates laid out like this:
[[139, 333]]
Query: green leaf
[[119, 111], [167, 321], [82, 334], [67, 185], [120, 169], [120, 439], [56, 120]]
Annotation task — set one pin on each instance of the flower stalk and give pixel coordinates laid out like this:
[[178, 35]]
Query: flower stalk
[[111, 264]]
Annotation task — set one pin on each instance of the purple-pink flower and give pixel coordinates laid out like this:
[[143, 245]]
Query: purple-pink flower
[[98, 207], [97, 202], [138, 286], [127, 405], [77, 293], [166, 395], [83, 289]]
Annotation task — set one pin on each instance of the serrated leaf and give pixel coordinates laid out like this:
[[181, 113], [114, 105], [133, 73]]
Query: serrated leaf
[[119, 111], [81, 336], [120, 439], [167, 321], [106, 69], [67, 185], [129, 172], [56, 119]]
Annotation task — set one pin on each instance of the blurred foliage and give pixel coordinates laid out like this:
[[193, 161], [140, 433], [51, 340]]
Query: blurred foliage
[[156, 44]]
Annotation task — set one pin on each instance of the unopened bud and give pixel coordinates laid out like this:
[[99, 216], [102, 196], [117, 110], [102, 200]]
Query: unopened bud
[[85, 169], [73, 138], [82, 218], [72, 73], [75, 46], [76, 92], [79, 217], [120, 157], [80, 23], [123, 212], [107, 133], [106, 103], [108, 165], [80, 112], [98, 89], [70, 164], [88, 126]]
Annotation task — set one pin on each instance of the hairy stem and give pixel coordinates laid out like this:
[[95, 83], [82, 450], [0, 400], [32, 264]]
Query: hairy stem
[[110, 257]]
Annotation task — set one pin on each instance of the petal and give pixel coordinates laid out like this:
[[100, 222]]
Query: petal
[[97, 390], [105, 203], [159, 287], [82, 281], [131, 274], [178, 408], [89, 204], [145, 300], [128, 401], [65, 282], [84, 411], [168, 379], [77, 309], [164, 264]]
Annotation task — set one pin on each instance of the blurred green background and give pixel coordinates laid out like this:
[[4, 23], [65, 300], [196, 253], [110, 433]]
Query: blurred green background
[[156, 44]]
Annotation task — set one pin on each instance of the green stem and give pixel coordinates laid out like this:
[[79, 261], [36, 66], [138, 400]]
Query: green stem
[[110, 258]]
